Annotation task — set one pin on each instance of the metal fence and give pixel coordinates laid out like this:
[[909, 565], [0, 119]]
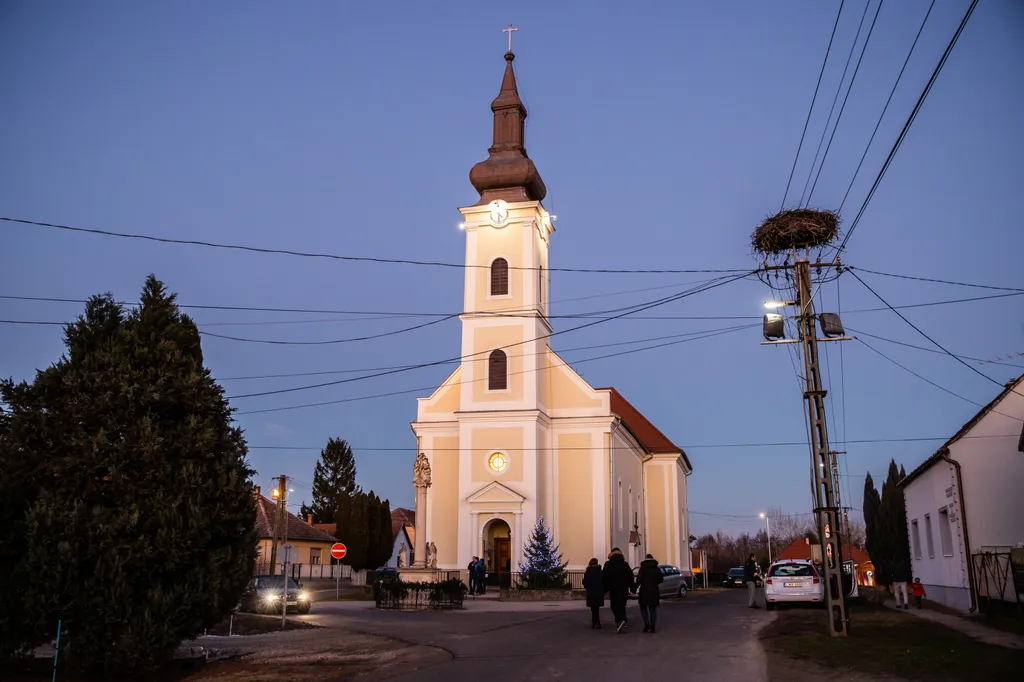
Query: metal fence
[[998, 582], [568, 580], [307, 571], [394, 595]]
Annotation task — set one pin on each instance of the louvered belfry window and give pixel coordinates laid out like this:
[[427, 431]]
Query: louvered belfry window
[[499, 277], [497, 371]]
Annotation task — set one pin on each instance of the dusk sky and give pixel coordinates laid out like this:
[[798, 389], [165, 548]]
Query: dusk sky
[[665, 133]]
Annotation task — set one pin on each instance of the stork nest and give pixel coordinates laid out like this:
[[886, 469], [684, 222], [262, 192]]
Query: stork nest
[[799, 227]]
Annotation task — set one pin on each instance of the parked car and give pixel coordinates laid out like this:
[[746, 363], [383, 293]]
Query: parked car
[[734, 578], [794, 580], [264, 593], [673, 582]]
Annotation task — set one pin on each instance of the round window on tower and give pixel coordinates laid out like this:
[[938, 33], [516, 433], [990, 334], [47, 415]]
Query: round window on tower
[[498, 462]]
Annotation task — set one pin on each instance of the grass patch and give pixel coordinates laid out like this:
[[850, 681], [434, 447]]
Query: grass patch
[[885, 641], [1007, 622]]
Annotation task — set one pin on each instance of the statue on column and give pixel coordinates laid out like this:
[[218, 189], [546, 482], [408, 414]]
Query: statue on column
[[421, 472], [431, 555]]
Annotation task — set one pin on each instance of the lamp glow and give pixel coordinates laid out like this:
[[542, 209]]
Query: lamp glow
[[462, 226], [773, 305]]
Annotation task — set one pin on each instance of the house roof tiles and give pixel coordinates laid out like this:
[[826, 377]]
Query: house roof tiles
[[647, 434], [297, 529]]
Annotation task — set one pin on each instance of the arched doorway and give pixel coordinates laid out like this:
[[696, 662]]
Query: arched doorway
[[497, 548]]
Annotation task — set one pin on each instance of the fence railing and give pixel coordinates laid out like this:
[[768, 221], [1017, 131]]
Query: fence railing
[[998, 582], [307, 571], [395, 595], [568, 580]]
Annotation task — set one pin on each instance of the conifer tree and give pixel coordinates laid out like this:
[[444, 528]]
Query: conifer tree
[[358, 541], [333, 477], [372, 522], [387, 540], [126, 495], [542, 563], [871, 504]]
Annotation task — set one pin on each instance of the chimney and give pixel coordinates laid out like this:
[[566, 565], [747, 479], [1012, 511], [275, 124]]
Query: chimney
[[309, 519], [256, 490]]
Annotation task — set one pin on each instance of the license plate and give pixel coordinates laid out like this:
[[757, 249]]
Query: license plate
[[794, 584]]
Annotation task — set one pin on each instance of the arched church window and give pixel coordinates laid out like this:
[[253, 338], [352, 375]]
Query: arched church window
[[499, 277], [497, 371]]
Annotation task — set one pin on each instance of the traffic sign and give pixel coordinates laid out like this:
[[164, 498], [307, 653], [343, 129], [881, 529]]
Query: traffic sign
[[338, 550]]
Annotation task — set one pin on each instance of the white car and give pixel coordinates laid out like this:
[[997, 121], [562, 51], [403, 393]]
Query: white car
[[794, 580]]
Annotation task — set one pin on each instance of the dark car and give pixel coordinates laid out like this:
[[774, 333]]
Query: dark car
[[265, 594], [734, 578]]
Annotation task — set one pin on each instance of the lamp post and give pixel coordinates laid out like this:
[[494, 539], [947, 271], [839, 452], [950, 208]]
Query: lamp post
[[768, 526]]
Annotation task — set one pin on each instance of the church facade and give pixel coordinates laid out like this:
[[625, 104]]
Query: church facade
[[514, 433]]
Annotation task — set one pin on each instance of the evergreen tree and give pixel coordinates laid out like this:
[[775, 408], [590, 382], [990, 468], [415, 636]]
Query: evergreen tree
[[871, 504], [387, 539], [372, 531], [542, 561], [358, 541], [893, 520], [333, 477], [343, 525], [126, 500]]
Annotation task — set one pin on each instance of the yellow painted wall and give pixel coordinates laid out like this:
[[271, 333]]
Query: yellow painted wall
[[444, 495], [656, 513], [304, 546], [576, 496], [486, 339], [627, 467], [506, 242], [484, 441], [565, 391], [446, 399]]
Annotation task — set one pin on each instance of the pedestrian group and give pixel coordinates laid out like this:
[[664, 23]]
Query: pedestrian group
[[617, 580]]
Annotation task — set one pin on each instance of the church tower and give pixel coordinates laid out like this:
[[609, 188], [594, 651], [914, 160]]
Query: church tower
[[508, 233]]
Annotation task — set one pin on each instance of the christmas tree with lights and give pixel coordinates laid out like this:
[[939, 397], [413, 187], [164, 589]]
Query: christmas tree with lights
[[542, 566]]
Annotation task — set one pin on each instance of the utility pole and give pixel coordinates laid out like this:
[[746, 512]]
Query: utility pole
[[824, 466], [825, 491], [279, 520]]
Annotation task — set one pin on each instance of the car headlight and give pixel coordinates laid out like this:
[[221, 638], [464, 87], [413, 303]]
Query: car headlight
[[303, 596], [272, 596]]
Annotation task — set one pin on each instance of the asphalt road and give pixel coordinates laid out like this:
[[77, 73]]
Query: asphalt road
[[706, 637]]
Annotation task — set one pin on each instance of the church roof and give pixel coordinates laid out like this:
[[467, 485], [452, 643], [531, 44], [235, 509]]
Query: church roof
[[297, 528], [647, 434], [508, 173]]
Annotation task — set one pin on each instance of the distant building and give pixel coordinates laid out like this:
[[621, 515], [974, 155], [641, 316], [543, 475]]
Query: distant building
[[804, 548], [965, 505], [403, 522], [313, 544]]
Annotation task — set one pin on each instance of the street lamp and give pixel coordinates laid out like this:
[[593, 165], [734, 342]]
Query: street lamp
[[768, 526]]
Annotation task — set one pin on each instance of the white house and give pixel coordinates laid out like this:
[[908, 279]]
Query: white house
[[402, 523], [967, 499]]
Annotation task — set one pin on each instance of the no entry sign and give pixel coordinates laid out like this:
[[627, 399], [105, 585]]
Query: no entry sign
[[338, 550]]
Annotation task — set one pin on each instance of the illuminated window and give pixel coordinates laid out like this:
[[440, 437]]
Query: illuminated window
[[498, 462]]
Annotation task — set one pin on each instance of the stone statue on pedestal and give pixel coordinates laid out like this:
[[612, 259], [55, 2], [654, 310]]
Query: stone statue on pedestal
[[401, 555], [421, 472], [431, 555]]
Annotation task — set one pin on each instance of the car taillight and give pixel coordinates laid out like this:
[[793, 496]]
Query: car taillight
[[816, 581], [768, 581]]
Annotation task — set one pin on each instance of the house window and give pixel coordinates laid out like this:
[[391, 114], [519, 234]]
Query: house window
[[497, 371], [915, 538], [499, 277], [945, 532], [928, 535], [314, 556]]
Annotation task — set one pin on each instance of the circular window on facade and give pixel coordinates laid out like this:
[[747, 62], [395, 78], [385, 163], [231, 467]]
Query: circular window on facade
[[498, 462]]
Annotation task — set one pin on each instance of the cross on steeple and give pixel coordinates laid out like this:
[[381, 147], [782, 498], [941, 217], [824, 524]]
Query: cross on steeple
[[510, 30]]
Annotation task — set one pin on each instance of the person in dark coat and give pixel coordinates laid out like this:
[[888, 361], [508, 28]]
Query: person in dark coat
[[471, 569], [648, 594], [617, 579], [750, 577], [594, 585], [481, 576]]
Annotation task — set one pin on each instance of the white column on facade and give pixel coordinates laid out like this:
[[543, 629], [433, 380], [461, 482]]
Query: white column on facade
[[517, 541], [477, 544]]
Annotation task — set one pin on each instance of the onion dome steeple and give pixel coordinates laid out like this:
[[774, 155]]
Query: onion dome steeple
[[508, 173]]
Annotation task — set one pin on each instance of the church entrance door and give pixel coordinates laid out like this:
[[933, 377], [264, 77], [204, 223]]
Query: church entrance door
[[497, 550]]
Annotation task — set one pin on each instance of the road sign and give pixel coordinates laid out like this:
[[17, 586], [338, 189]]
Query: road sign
[[338, 550], [288, 553]]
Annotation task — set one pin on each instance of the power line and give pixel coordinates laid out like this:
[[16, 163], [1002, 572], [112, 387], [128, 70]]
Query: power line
[[929, 350], [640, 308], [919, 331], [702, 446], [278, 342], [434, 387], [886, 107], [846, 98], [835, 99], [332, 256], [810, 109], [906, 126], [929, 279]]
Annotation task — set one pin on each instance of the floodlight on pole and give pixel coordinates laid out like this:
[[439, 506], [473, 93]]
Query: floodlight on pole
[[773, 305]]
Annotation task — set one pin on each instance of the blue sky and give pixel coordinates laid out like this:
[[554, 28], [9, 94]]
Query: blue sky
[[664, 131]]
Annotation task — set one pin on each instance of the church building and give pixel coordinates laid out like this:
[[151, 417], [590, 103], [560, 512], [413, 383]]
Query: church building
[[514, 433]]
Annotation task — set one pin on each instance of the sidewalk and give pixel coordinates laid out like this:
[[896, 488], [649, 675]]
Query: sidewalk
[[969, 627]]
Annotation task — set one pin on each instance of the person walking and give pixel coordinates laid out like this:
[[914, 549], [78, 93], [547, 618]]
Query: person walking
[[617, 580], [917, 589], [900, 577], [593, 583], [648, 592], [480, 573], [750, 577], [472, 575]]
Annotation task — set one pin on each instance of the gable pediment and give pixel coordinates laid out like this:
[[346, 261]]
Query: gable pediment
[[496, 493]]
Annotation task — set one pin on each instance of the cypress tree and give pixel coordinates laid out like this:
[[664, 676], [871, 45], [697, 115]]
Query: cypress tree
[[387, 539], [871, 504], [134, 522], [358, 541], [372, 520]]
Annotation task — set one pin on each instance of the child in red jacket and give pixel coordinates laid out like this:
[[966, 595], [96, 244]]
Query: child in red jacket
[[917, 589]]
